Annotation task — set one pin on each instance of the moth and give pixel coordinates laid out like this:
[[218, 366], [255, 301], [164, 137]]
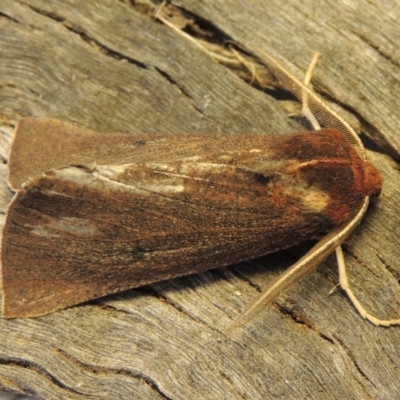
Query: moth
[[106, 213]]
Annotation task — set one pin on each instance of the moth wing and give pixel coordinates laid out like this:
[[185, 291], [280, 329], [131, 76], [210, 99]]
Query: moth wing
[[78, 233]]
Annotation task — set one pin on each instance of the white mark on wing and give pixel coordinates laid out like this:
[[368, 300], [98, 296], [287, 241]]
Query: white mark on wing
[[111, 171], [190, 168], [41, 230], [105, 177], [159, 188], [53, 192], [161, 166], [73, 225], [311, 197], [225, 158], [316, 200], [193, 158], [179, 175], [80, 226]]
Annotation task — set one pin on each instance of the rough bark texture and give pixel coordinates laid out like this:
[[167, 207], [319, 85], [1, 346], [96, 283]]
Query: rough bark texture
[[107, 65]]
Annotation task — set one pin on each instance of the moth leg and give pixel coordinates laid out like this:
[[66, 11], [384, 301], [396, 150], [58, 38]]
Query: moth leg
[[344, 284], [334, 288], [157, 10], [305, 110]]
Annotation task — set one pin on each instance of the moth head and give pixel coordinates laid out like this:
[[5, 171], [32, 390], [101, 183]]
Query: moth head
[[372, 180]]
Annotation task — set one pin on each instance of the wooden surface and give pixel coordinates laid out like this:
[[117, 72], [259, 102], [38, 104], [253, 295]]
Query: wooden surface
[[107, 65]]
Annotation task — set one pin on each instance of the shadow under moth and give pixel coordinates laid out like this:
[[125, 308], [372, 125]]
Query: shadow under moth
[[110, 212]]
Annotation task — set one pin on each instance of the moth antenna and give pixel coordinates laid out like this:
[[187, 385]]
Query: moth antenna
[[158, 10], [324, 114], [305, 265], [344, 284]]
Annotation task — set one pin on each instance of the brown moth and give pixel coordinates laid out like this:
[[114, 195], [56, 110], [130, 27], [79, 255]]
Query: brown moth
[[111, 212], [126, 211]]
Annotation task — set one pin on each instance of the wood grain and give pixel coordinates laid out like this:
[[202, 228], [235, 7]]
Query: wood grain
[[109, 66]]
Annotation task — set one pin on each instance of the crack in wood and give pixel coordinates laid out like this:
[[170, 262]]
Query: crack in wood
[[181, 88], [117, 371], [353, 360], [25, 364], [76, 29]]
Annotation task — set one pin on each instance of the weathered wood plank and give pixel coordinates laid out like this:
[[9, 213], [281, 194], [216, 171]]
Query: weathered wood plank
[[106, 65]]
